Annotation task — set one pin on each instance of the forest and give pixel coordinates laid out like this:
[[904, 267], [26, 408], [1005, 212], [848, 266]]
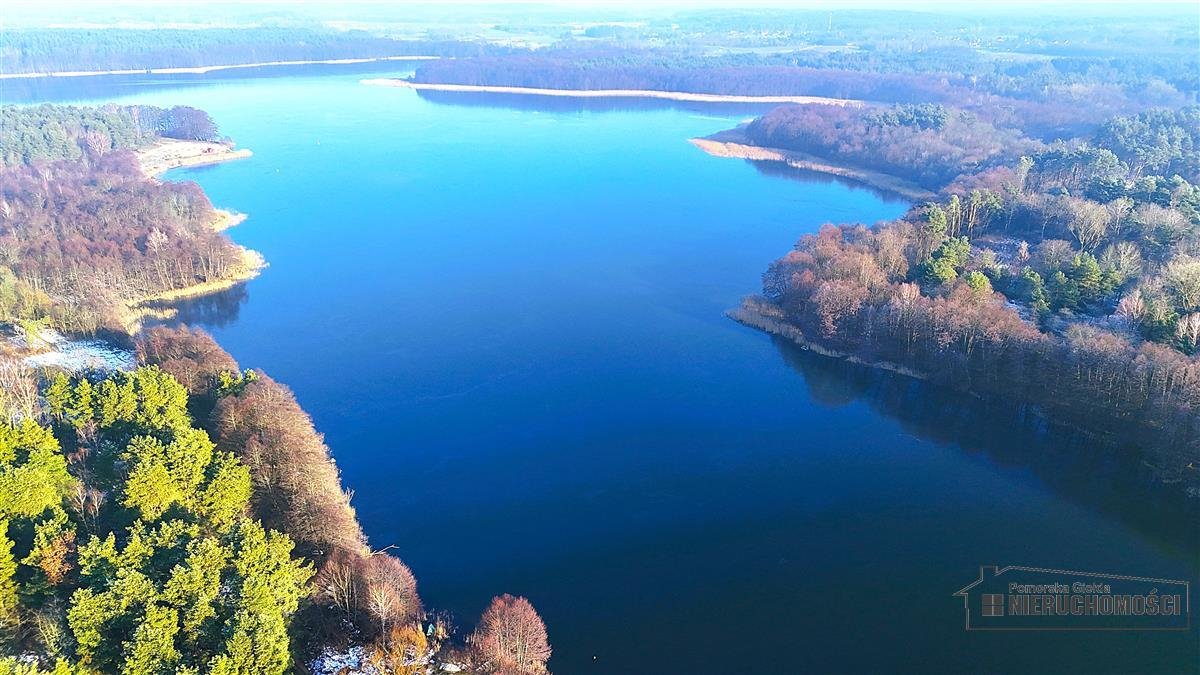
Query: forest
[[1008, 74], [77, 49], [928, 143], [1067, 277], [37, 134], [83, 233], [186, 517]]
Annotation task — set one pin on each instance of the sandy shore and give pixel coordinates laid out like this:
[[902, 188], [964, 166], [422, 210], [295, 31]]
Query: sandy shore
[[733, 143], [610, 93], [171, 154], [208, 69]]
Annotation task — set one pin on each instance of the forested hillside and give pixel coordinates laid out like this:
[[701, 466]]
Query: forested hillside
[[83, 233], [187, 517], [36, 134], [1042, 92], [1067, 277]]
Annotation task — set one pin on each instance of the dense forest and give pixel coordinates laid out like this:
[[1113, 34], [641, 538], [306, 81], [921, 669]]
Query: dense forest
[[83, 233], [1046, 97], [56, 50], [1067, 277], [36, 134], [928, 144], [187, 517]]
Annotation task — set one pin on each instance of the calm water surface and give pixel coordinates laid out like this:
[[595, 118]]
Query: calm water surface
[[507, 320]]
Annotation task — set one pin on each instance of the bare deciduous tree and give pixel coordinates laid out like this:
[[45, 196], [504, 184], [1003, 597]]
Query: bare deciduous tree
[[512, 636], [1087, 222], [18, 390], [1188, 331], [388, 590], [1181, 277]]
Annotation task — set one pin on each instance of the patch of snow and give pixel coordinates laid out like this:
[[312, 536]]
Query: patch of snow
[[75, 355], [351, 661]]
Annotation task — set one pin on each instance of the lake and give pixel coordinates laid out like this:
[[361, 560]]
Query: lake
[[506, 315]]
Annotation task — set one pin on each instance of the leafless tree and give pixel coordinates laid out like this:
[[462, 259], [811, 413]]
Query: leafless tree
[[18, 390], [388, 590], [511, 636]]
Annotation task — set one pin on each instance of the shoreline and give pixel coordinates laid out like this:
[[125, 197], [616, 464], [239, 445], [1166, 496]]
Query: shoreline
[[200, 70], [226, 219], [607, 93], [171, 154], [167, 154], [139, 309], [754, 313], [732, 143]]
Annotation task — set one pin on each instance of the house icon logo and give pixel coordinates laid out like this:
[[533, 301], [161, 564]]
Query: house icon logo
[[1035, 598]]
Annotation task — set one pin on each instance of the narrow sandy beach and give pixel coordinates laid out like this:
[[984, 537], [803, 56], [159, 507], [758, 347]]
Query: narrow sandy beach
[[208, 69], [610, 93], [170, 154], [733, 143]]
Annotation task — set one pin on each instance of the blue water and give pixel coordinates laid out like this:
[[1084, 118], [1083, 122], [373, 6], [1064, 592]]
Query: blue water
[[506, 317]]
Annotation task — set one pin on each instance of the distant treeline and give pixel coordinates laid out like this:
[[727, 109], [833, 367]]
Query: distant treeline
[[1045, 98], [55, 50], [572, 72]]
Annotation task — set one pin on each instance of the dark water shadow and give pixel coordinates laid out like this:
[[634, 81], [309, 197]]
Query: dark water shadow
[[216, 310], [52, 89], [788, 172], [1115, 479], [531, 102]]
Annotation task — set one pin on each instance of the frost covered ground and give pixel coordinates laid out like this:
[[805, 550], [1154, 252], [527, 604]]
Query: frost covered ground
[[53, 349], [354, 661]]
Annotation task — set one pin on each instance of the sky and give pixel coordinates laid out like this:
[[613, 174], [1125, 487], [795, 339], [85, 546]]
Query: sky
[[933, 5], [199, 13]]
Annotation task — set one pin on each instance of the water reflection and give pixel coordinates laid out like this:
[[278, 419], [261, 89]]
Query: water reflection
[[1115, 479], [528, 102], [104, 87], [211, 311], [782, 170]]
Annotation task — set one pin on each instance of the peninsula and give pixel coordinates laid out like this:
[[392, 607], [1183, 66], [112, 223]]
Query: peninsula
[[608, 93], [167, 154], [734, 143]]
